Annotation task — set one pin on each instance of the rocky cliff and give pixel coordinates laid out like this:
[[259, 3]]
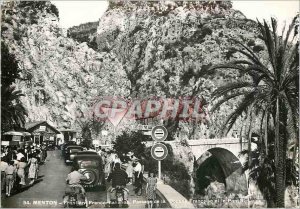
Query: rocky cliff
[[163, 46], [142, 49], [60, 77]]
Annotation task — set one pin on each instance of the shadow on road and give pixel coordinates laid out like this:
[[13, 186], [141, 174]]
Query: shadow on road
[[19, 189]]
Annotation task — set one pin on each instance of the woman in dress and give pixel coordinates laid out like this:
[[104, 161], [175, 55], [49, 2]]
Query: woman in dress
[[151, 189], [33, 168], [21, 170]]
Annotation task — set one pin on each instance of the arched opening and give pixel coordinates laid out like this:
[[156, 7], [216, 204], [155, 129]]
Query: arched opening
[[219, 165]]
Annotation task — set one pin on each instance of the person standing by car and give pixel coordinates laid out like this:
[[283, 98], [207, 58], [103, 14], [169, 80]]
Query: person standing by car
[[138, 177], [33, 168], [21, 171], [3, 166], [119, 178], [10, 172], [129, 171]]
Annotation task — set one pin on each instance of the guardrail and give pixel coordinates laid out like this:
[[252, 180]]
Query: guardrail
[[168, 197]]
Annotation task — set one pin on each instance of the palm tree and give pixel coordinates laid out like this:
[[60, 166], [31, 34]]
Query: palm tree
[[269, 90], [262, 168], [12, 110]]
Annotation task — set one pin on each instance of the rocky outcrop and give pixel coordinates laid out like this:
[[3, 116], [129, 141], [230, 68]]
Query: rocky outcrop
[[61, 78], [165, 45]]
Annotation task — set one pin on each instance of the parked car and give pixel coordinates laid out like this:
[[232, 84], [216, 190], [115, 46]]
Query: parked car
[[70, 152], [92, 167], [65, 145]]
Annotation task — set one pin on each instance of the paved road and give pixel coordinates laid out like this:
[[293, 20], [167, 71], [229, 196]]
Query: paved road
[[49, 189]]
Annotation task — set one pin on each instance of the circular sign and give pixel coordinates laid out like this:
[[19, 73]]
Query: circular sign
[[159, 151], [159, 133]]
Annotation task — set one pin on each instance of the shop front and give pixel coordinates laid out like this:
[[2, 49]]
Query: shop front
[[42, 132]]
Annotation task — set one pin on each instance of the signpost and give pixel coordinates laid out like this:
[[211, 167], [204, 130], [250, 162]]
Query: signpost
[[159, 151], [159, 133]]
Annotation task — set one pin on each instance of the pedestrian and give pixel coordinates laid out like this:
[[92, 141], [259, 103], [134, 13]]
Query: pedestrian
[[33, 168], [99, 151], [138, 177], [107, 168], [116, 160], [3, 166], [20, 154], [21, 170], [151, 189], [10, 172], [129, 171]]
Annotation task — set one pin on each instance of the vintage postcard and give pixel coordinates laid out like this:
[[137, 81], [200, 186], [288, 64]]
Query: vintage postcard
[[149, 104]]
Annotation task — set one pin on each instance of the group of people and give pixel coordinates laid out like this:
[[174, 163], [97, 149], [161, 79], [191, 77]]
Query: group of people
[[132, 175], [20, 166]]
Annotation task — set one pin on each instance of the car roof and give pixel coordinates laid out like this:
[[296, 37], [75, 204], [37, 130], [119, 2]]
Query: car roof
[[74, 146], [87, 156], [87, 153]]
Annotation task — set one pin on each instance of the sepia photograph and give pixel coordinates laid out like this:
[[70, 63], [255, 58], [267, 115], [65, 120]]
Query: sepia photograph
[[150, 104]]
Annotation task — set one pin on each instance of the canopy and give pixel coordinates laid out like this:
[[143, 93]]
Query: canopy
[[16, 133]]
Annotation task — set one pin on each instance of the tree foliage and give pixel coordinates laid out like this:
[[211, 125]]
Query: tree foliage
[[262, 168], [269, 90], [9, 68], [130, 142], [12, 110]]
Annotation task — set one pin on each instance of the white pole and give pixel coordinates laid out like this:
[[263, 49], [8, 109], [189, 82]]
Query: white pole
[[159, 170]]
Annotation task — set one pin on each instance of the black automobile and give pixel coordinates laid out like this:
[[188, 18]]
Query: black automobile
[[92, 167], [65, 145], [70, 152]]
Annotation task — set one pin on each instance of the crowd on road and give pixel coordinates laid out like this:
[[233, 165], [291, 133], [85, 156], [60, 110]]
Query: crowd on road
[[134, 169], [20, 166]]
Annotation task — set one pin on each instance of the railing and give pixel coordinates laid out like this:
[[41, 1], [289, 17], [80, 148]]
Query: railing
[[168, 197]]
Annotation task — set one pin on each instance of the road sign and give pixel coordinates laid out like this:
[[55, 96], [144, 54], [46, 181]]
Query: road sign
[[159, 133], [159, 151]]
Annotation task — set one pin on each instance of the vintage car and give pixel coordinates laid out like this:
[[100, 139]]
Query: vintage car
[[87, 152], [92, 167], [70, 152], [65, 145]]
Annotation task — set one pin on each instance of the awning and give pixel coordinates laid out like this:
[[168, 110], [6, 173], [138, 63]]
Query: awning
[[67, 130], [16, 133]]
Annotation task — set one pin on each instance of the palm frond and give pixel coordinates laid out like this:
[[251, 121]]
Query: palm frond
[[227, 88]]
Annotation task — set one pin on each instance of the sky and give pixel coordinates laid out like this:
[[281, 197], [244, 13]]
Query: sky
[[77, 12]]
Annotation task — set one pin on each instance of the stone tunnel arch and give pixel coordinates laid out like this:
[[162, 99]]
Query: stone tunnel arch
[[223, 166]]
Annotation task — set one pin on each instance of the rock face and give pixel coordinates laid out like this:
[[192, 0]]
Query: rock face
[[163, 46], [61, 78], [140, 49]]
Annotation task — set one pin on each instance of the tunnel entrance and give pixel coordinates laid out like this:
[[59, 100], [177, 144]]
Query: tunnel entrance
[[218, 164]]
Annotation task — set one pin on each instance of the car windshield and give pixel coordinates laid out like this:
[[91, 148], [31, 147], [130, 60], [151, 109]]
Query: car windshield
[[88, 163]]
